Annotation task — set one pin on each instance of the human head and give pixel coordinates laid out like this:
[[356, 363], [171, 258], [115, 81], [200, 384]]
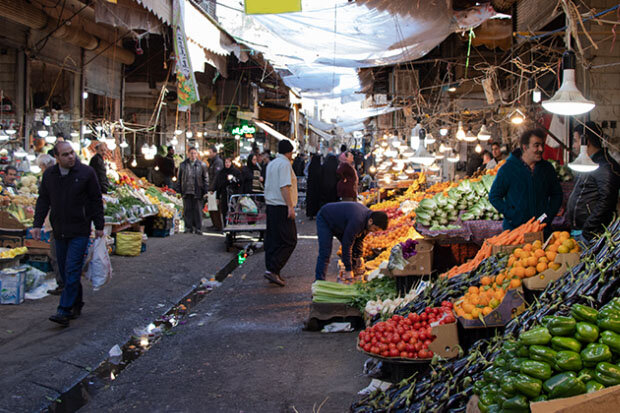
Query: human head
[[170, 150], [378, 221], [193, 154], [285, 147], [212, 152], [592, 133], [486, 157], [45, 161], [532, 144], [349, 157], [227, 163], [343, 148], [266, 157], [100, 148], [252, 160], [11, 174], [496, 150], [65, 156]]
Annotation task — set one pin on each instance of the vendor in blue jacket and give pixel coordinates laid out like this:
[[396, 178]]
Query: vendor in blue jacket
[[350, 222], [527, 186]]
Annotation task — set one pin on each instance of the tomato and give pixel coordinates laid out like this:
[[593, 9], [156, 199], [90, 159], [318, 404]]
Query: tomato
[[413, 355], [361, 343], [411, 316], [432, 320], [417, 326], [374, 350], [408, 322], [406, 336], [427, 342], [424, 317], [415, 335], [409, 347], [404, 354], [422, 336], [394, 353], [428, 309], [449, 319], [429, 353], [416, 317], [391, 346], [385, 353], [412, 340], [400, 331], [367, 347], [395, 338], [418, 346], [374, 341]]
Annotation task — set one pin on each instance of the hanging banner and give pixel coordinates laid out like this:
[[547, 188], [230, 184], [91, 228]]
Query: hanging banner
[[187, 88], [272, 6]]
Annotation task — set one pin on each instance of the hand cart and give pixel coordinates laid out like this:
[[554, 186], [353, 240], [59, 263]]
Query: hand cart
[[246, 213]]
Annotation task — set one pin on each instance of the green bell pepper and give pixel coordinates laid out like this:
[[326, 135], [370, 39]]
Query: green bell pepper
[[584, 313], [595, 353], [565, 343], [508, 385], [488, 397], [523, 351], [586, 332], [586, 375], [564, 385], [479, 386], [537, 335], [561, 326], [611, 339], [500, 362], [593, 385], [542, 353], [541, 398], [482, 407], [537, 369], [509, 347], [607, 374], [491, 375], [515, 364], [568, 361], [528, 386], [611, 322], [516, 404]]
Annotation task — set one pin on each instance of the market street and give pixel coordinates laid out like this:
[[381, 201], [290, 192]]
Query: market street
[[41, 360], [246, 351]]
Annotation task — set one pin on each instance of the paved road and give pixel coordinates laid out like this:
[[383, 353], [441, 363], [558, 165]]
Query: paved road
[[245, 352], [39, 361]]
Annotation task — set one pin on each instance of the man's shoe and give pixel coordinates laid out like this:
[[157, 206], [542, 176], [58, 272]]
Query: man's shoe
[[55, 291], [76, 311], [275, 278], [61, 319]]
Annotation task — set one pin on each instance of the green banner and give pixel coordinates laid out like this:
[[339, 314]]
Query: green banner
[[187, 88], [272, 6]]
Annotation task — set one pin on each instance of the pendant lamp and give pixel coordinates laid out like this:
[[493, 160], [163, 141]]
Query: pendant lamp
[[568, 100]]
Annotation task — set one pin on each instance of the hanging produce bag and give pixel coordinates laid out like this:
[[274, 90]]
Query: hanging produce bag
[[99, 269], [212, 201], [128, 243]]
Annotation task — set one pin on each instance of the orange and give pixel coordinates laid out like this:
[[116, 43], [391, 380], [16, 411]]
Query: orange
[[513, 271], [518, 252], [555, 266], [483, 299], [576, 249], [537, 244], [511, 260], [520, 272], [518, 263], [527, 247], [569, 243], [552, 248], [551, 255], [532, 261], [475, 312], [485, 280], [460, 312], [563, 249], [565, 234], [530, 271], [486, 311], [473, 289], [499, 294], [468, 317], [539, 253], [467, 307], [475, 299], [526, 254], [515, 282], [500, 278], [543, 260], [541, 267]]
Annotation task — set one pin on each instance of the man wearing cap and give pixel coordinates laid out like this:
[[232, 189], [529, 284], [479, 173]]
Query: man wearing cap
[[281, 198]]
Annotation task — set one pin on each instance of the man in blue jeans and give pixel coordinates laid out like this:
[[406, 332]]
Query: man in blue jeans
[[70, 192], [350, 222]]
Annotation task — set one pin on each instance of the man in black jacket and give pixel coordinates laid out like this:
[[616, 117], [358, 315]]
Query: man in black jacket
[[98, 164], [593, 201], [71, 190], [215, 166]]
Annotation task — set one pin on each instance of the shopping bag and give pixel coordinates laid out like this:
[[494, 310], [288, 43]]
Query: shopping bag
[[99, 267], [128, 243], [248, 206], [212, 201]]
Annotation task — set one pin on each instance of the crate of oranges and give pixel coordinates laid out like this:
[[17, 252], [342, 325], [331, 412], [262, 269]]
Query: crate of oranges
[[493, 303], [561, 253]]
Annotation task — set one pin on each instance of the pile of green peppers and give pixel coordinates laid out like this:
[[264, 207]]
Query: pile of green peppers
[[565, 356]]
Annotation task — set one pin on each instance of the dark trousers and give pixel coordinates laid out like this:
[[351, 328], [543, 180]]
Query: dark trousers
[[192, 213], [70, 255], [325, 236], [54, 263], [280, 238]]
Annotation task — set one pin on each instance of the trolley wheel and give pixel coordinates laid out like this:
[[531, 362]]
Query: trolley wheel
[[229, 241]]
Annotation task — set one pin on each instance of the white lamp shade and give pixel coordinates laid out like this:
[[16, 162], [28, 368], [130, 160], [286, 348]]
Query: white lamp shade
[[123, 144], [423, 157], [583, 163], [145, 149], [35, 169], [11, 131], [484, 134], [111, 144], [434, 167], [50, 139], [470, 137], [42, 133], [429, 140], [443, 131], [20, 153], [568, 100]]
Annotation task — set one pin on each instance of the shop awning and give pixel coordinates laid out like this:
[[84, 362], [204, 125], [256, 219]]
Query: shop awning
[[270, 130], [161, 9], [322, 134]]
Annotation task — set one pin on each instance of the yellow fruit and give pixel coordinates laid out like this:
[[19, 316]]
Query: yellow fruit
[[494, 303], [475, 312], [563, 249]]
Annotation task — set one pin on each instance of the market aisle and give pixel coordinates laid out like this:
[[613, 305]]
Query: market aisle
[[40, 360], [245, 351]]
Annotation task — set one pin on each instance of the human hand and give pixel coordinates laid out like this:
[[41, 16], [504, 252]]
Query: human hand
[[36, 234], [291, 212], [98, 233]]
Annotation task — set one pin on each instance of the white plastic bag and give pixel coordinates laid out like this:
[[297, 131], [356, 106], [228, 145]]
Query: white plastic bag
[[248, 206], [99, 269]]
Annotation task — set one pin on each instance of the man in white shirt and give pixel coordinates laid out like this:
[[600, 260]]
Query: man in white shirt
[[281, 198]]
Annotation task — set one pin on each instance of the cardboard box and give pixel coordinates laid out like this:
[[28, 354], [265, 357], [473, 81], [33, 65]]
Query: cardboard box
[[446, 345], [540, 281], [8, 221], [11, 241], [419, 264], [12, 286], [602, 401], [511, 306], [528, 238]]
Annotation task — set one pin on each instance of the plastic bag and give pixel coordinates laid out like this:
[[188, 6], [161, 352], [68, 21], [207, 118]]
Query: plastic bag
[[248, 206], [99, 269], [128, 243]]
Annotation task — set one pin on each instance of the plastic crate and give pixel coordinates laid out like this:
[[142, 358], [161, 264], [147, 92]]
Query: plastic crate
[[160, 223], [160, 233]]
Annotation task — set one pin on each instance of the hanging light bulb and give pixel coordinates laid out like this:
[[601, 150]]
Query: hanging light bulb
[[443, 131], [536, 95], [134, 163], [85, 95], [111, 144], [156, 167], [429, 140], [178, 132], [145, 148], [11, 131], [478, 148], [123, 144], [20, 153], [219, 126], [47, 121], [484, 134], [42, 133], [568, 100], [443, 148], [50, 139], [174, 141], [460, 133], [470, 137], [189, 134], [517, 117], [199, 134], [422, 156], [3, 136]]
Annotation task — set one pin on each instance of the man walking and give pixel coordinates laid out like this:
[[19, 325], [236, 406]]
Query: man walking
[[98, 164], [70, 191], [193, 181], [281, 198], [215, 166]]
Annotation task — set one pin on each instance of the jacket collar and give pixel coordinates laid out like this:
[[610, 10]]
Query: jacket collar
[[56, 168]]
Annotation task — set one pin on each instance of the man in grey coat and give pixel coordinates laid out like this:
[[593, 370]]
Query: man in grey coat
[[193, 181]]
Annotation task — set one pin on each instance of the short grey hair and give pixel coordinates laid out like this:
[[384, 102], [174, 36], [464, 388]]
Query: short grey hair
[[45, 161]]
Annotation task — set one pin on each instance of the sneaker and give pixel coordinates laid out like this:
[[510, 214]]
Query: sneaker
[[275, 278], [55, 291], [61, 319]]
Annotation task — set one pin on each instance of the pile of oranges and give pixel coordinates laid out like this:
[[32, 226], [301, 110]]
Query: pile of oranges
[[482, 300], [532, 259]]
